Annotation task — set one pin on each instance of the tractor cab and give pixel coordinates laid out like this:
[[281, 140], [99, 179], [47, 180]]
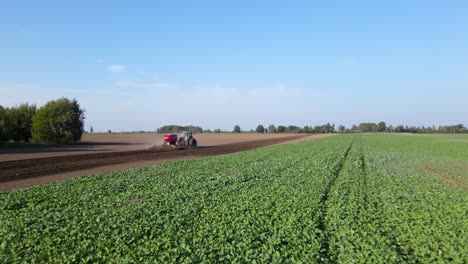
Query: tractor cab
[[186, 135]]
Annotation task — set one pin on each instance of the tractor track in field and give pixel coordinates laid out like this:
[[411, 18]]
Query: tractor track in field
[[324, 244], [32, 168], [363, 166], [374, 209]]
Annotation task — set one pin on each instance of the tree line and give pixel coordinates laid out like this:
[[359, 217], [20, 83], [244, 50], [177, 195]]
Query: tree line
[[362, 127], [382, 127], [325, 128], [58, 121]]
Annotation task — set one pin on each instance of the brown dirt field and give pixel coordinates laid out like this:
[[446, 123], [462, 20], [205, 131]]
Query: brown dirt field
[[443, 175], [28, 172], [101, 143]]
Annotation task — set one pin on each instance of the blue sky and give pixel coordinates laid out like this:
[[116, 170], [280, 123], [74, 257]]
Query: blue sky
[[138, 65]]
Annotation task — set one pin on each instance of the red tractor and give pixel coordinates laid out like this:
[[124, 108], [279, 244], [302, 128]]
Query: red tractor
[[186, 140]]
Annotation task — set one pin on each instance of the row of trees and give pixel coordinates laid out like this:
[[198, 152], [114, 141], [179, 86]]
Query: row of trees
[[382, 127], [326, 128], [362, 127], [58, 121]]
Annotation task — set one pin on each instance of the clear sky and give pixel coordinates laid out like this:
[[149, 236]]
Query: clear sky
[[138, 65]]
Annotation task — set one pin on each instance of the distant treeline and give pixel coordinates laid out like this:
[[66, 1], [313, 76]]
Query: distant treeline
[[363, 127], [325, 128], [58, 121], [382, 127], [177, 129]]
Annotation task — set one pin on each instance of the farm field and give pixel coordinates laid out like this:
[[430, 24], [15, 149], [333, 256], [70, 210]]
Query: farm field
[[347, 198], [29, 172], [105, 143]]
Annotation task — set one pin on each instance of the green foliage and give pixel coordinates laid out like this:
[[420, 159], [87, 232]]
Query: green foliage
[[58, 121], [18, 122], [293, 129], [237, 129], [344, 199], [272, 129], [260, 129], [368, 127], [281, 129], [460, 128], [2, 124], [416, 195], [381, 127], [326, 128]]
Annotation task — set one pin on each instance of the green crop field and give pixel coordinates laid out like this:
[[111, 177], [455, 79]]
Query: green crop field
[[346, 198]]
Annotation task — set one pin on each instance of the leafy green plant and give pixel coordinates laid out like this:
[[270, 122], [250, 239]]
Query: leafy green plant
[[343, 199]]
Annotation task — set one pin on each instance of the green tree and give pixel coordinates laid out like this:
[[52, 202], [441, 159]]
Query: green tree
[[2, 124], [293, 129], [18, 122], [237, 129], [341, 128], [328, 128], [260, 129], [272, 129], [281, 129], [59, 121], [368, 127], [91, 129], [381, 126]]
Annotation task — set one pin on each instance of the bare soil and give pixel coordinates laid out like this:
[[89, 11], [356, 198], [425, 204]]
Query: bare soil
[[101, 143], [42, 169]]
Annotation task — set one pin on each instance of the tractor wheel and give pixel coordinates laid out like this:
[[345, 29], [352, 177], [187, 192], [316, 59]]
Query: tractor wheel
[[192, 143], [180, 141]]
